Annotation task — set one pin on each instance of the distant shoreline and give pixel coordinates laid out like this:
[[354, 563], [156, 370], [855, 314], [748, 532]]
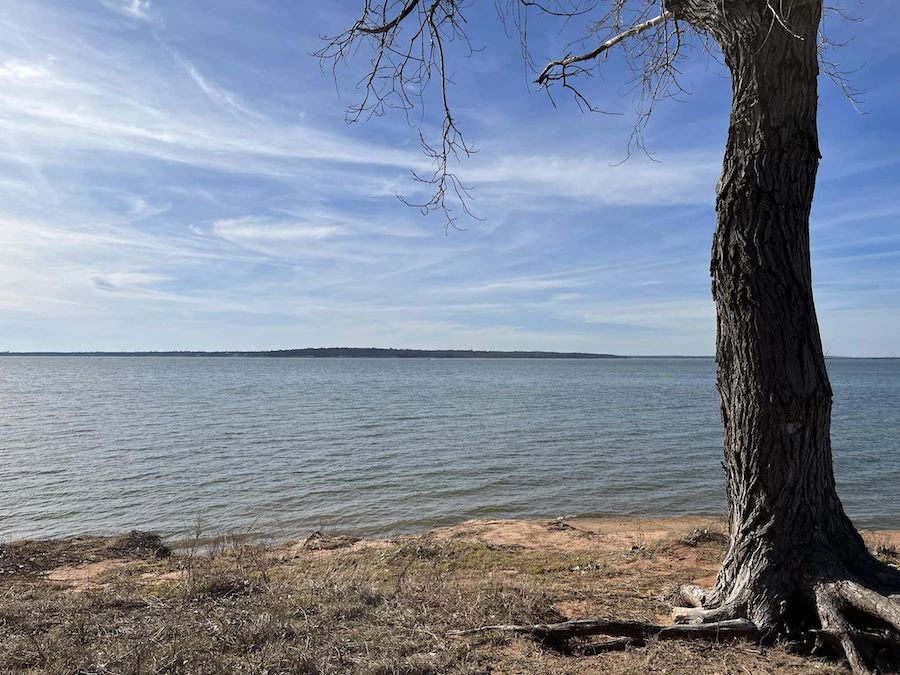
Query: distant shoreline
[[382, 353], [347, 352]]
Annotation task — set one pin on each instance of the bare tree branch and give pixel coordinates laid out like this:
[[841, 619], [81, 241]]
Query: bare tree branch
[[829, 64], [409, 43], [546, 74], [385, 27]]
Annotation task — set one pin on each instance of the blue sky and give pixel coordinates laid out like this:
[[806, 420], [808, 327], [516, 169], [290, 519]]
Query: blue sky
[[179, 175]]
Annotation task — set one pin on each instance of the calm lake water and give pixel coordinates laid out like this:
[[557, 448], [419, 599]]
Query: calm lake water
[[280, 447]]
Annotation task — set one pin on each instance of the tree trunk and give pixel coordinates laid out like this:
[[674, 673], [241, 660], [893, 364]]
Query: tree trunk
[[788, 530]]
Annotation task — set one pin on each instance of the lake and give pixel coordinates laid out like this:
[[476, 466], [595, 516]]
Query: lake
[[282, 447]]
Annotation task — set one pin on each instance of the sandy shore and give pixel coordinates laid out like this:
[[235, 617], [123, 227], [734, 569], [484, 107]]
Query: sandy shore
[[333, 604]]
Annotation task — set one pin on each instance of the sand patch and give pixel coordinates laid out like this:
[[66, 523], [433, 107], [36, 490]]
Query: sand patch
[[575, 535], [84, 577]]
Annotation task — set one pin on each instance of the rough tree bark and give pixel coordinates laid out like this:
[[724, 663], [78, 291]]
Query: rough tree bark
[[791, 544], [795, 568], [783, 508]]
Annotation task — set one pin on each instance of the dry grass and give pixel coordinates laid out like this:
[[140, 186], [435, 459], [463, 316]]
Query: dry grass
[[884, 546], [338, 606]]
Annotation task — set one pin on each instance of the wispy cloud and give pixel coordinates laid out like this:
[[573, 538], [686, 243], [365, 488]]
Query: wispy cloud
[[137, 9], [526, 285], [685, 178], [255, 229], [226, 100], [120, 280], [674, 315], [13, 69]]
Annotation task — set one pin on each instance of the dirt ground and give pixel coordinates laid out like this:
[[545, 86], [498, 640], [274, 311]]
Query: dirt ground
[[336, 604]]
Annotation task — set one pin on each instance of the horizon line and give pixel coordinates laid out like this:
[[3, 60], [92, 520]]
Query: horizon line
[[424, 352]]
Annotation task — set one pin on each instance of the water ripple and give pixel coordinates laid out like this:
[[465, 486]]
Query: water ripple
[[385, 446]]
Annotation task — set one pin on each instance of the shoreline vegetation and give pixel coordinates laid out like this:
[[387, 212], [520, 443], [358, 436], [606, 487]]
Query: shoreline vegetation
[[332, 603]]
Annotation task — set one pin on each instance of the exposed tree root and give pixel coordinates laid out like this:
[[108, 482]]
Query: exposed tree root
[[701, 615], [558, 632], [859, 622], [863, 623], [866, 600], [693, 596]]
